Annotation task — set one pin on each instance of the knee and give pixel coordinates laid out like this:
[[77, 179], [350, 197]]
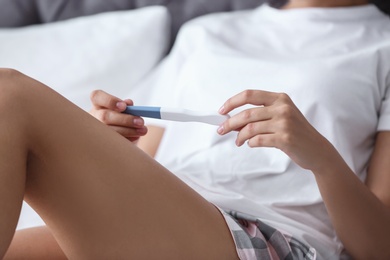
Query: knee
[[12, 85], [12, 91], [9, 79], [7, 74]]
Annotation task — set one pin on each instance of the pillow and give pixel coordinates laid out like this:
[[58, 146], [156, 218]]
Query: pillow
[[111, 51]]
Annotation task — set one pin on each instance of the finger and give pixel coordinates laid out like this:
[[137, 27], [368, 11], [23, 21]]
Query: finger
[[130, 133], [253, 129], [101, 99], [245, 117], [114, 118], [133, 139], [253, 97], [129, 102], [263, 140]]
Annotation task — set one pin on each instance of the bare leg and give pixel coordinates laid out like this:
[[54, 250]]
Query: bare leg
[[101, 197], [34, 243]]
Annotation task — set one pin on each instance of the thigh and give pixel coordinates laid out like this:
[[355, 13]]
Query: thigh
[[103, 198], [34, 243]]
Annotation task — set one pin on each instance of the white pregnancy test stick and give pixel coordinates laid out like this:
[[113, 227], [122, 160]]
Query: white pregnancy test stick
[[177, 114]]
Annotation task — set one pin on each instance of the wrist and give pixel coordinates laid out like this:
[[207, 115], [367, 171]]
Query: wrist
[[330, 160]]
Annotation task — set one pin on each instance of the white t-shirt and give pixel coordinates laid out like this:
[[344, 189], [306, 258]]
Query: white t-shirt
[[333, 62]]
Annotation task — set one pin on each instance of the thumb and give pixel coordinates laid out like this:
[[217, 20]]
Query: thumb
[[101, 99]]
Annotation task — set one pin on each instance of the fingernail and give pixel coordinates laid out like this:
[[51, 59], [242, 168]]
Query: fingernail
[[142, 130], [121, 105], [220, 129], [221, 110], [138, 121]]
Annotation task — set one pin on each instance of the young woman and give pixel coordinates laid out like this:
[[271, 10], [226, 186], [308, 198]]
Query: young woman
[[318, 80]]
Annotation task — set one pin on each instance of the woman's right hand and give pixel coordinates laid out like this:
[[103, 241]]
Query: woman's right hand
[[108, 109]]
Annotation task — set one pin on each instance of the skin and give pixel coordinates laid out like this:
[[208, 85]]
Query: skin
[[360, 212], [100, 196]]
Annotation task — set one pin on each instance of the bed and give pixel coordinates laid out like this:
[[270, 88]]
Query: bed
[[76, 46]]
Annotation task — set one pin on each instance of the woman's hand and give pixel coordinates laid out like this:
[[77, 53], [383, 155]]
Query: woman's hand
[[108, 109], [277, 122]]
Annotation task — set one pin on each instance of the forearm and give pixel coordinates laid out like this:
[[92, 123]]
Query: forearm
[[151, 141], [361, 220]]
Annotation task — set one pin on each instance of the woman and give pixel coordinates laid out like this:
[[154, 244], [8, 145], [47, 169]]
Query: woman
[[103, 198]]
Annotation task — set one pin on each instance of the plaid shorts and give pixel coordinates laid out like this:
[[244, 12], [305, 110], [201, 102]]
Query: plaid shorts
[[255, 240]]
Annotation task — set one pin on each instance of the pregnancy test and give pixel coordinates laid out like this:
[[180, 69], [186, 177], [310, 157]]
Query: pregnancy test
[[177, 114]]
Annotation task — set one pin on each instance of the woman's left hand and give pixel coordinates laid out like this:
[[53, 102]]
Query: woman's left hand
[[276, 122]]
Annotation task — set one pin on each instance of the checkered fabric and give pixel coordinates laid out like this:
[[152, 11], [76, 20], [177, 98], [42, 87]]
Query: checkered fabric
[[255, 240]]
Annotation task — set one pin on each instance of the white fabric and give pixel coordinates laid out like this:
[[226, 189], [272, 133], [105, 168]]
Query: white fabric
[[333, 62], [110, 51]]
